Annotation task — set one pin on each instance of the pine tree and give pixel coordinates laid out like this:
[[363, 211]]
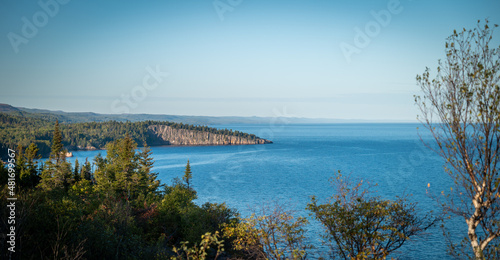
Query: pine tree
[[56, 176], [57, 173], [57, 146], [126, 173], [187, 175], [145, 165], [86, 171], [126, 163], [29, 175], [76, 171], [31, 153]]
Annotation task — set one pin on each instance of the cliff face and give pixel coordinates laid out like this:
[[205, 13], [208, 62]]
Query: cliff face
[[172, 136]]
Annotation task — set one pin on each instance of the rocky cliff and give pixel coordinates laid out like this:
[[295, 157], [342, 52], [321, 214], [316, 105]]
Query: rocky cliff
[[173, 136]]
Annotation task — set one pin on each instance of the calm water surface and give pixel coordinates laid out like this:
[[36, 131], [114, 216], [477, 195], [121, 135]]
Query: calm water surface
[[300, 163]]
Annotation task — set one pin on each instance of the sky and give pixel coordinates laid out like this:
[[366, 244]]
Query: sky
[[302, 58]]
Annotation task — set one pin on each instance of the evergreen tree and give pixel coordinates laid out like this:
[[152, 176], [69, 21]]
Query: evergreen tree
[[76, 171], [125, 172], [57, 173], [56, 176], [145, 166], [28, 174], [57, 146], [86, 171], [123, 153], [187, 175], [31, 153], [26, 168]]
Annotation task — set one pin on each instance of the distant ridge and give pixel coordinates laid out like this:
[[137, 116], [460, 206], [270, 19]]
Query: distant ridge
[[8, 108], [80, 117]]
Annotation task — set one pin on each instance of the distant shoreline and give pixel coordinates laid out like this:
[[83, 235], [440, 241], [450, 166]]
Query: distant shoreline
[[73, 117]]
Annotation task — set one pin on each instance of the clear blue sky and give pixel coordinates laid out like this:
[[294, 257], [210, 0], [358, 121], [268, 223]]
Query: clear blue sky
[[243, 58]]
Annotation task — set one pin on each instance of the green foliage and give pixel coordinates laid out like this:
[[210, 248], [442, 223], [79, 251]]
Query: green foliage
[[56, 176], [22, 130], [43, 217], [121, 213], [76, 171], [273, 234], [207, 218], [27, 175], [362, 227], [187, 175], [201, 251], [86, 171], [125, 172], [57, 151]]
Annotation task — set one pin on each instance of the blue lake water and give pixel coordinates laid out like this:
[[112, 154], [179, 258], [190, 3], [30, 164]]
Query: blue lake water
[[300, 163]]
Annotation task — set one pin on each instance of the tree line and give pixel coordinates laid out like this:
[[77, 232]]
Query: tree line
[[23, 130]]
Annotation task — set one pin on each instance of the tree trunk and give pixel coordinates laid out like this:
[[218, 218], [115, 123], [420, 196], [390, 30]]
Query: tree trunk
[[472, 224], [475, 245]]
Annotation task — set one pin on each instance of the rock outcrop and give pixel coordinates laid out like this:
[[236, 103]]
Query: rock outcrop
[[86, 148], [172, 136]]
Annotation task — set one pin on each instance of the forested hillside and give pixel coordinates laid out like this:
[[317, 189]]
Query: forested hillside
[[112, 208], [25, 128]]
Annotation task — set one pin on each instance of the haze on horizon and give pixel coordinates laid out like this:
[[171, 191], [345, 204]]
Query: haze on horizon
[[313, 59]]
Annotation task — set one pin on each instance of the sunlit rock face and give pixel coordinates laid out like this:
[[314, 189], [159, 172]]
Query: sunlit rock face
[[172, 136]]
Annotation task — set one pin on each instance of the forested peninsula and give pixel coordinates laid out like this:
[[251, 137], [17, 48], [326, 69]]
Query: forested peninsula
[[25, 128]]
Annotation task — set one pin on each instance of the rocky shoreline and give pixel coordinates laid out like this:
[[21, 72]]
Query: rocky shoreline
[[163, 135], [166, 135]]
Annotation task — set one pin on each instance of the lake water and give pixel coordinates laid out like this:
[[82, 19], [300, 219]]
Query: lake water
[[300, 163]]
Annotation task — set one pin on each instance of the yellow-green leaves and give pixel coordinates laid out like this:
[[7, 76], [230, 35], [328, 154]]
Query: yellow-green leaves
[[273, 234], [362, 227], [200, 251]]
